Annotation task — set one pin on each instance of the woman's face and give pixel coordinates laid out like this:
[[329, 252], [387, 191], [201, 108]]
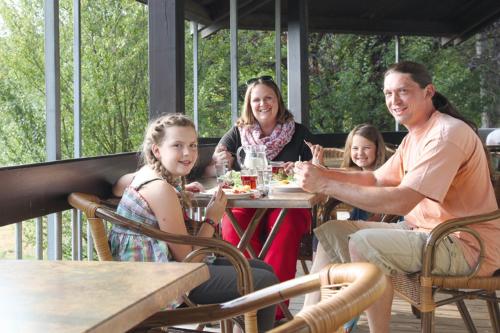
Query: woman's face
[[264, 104], [178, 151], [363, 152]]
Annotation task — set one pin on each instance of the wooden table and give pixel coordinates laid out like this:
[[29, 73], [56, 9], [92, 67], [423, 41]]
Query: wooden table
[[275, 199], [83, 296]]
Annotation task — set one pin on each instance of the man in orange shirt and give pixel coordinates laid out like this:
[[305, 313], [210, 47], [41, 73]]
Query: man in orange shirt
[[440, 171]]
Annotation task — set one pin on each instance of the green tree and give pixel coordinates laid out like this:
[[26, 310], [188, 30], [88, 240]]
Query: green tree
[[22, 83], [114, 81], [114, 78]]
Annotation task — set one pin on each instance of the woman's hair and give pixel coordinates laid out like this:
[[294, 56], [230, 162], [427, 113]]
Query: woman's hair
[[155, 134], [421, 76], [247, 117], [368, 132]]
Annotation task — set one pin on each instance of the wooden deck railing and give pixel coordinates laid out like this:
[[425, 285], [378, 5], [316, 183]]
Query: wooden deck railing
[[39, 192]]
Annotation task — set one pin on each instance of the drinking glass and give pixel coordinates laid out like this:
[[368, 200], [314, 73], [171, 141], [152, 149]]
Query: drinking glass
[[278, 166], [264, 180], [249, 177]]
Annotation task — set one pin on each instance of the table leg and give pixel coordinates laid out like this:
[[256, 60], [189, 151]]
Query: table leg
[[238, 230], [234, 223], [273, 233], [250, 230], [246, 235]]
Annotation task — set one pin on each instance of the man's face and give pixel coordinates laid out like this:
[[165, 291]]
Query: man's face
[[409, 104]]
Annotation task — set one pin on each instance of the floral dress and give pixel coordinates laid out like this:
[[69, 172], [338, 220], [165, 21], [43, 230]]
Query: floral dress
[[127, 245]]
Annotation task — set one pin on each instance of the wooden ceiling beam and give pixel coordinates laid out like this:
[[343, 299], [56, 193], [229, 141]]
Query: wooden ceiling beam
[[244, 9], [360, 26], [197, 13], [476, 22], [384, 26]]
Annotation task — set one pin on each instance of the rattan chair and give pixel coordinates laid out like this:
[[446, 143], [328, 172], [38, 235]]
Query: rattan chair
[[346, 291], [97, 210], [333, 157], [420, 289]]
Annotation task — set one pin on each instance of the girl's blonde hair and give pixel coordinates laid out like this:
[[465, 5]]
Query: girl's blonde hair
[[368, 132], [247, 117], [155, 134]]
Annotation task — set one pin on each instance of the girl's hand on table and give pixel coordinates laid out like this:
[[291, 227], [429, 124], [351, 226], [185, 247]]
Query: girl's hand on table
[[195, 187]]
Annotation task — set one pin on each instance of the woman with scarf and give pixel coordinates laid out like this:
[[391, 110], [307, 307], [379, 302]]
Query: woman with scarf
[[265, 121]]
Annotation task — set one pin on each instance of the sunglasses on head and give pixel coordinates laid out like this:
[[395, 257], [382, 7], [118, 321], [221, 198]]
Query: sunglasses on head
[[262, 78]]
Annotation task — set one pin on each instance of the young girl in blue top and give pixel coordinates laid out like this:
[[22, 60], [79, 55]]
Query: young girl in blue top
[[364, 150]]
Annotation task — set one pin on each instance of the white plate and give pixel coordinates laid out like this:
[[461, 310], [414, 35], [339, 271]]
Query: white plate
[[291, 186], [230, 193]]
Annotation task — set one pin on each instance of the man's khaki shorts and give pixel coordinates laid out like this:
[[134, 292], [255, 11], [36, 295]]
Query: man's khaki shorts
[[393, 247]]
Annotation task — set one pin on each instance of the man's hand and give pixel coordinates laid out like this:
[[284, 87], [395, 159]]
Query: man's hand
[[310, 177]]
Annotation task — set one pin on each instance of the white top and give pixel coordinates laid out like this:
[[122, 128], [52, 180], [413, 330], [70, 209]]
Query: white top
[[493, 138]]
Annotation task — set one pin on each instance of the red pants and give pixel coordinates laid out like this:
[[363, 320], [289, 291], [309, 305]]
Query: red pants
[[284, 249]]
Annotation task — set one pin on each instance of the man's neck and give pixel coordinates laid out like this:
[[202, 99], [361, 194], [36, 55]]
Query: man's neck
[[416, 127]]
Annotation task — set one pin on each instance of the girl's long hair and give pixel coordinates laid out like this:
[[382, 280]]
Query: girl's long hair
[[155, 134], [247, 117], [368, 132]]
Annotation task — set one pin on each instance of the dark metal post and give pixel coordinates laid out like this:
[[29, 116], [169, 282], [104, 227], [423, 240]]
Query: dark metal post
[[166, 57]]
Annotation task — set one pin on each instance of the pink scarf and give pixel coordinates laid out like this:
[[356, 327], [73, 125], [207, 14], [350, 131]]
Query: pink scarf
[[279, 138]]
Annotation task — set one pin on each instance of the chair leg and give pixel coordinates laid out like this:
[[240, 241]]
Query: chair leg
[[226, 326], [304, 266], [462, 308], [416, 312], [494, 311], [427, 322], [288, 315]]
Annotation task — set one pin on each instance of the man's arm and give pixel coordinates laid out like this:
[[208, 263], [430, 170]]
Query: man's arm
[[320, 173], [359, 189], [398, 200]]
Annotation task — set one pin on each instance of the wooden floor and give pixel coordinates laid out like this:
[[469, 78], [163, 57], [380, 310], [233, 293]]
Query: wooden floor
[[448, 318]]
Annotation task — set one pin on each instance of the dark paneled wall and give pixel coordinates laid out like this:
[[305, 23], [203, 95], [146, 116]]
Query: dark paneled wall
[[39, 189]]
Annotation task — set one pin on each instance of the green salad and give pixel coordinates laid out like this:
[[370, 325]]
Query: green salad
[[282, 175], [233, 178]]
